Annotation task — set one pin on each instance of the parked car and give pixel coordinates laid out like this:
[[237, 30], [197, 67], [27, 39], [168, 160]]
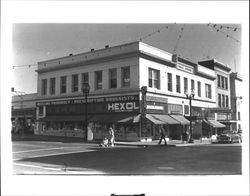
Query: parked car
[[229, 137]]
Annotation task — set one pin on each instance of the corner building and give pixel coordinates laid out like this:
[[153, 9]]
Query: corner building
[[133, 87]]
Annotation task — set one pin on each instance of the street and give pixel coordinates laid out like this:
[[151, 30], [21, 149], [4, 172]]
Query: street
[[43, 157]]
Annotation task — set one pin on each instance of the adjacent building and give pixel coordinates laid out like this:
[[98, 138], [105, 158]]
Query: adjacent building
[[236, 100]]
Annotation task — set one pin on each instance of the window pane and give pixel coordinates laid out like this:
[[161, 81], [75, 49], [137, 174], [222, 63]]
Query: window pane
[[125, 76], [113, 78], [199, 89], [74, 83], [63, 84], [44, 86], [52, 86], [98, 79]]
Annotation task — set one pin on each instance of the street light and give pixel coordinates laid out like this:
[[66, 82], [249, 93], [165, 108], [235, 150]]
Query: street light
[[190, 96], [85, 91]]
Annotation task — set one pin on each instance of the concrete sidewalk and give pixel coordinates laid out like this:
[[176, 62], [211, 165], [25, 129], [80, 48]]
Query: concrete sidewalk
[[154, 143], [171, 143]]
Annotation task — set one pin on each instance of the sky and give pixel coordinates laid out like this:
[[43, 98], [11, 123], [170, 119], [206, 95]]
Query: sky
[[34, 42]]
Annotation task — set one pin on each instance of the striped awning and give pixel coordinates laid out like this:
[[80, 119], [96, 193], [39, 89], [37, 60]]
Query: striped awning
[[216, 124], [181, 119], [166, 118]]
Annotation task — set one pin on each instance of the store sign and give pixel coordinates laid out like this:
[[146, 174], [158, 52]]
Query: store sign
[[184, 68], [125, 98], [155, 107], [125, 106]]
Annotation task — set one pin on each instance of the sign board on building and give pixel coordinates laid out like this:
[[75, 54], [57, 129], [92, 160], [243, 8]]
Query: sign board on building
[[185, 68]]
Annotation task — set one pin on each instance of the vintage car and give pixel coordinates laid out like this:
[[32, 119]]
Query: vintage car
[[229, 137]]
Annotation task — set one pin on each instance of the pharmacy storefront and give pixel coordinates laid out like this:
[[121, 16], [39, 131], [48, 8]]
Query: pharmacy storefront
[[67, 117]]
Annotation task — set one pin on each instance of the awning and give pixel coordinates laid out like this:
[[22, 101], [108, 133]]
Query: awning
[[62, 118], [181, 119], [154, 120], [110, 118], [101, 118], [216, 124], [166, 118], [131, 119]]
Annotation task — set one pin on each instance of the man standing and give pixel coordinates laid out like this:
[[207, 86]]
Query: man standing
[[162, 134]]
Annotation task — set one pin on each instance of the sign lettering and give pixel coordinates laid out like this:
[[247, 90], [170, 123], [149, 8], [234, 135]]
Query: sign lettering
[[128, 106]]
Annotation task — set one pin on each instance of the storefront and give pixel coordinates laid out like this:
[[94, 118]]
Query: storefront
[[67, 117]]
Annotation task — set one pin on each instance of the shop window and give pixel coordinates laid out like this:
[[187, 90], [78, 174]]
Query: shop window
[[219, 100], [208, 91], [178, 84], [113, 78], [85, 78], [98, 80], [125, 76], [44, 86], [40, 110], [52, 86], [199, 88], [185, 85], [169, 82], [63, 84], [154, 78], [74, 85]]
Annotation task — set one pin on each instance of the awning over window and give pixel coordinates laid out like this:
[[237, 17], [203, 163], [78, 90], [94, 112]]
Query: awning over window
[[101, 118], [62, 118], [181, 119], [154, 120], [166, 118], [131, 119], [215, 124]]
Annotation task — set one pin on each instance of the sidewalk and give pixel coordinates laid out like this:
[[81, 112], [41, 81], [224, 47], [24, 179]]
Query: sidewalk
[[154, 143], [172, 143]]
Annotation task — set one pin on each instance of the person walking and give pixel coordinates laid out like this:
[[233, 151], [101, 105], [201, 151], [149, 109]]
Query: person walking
[[112, 136], [162, 134]]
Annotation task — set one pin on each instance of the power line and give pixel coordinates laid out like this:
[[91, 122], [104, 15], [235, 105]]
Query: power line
[[178, 40], [217, 29], [226, 27], [150, 34]]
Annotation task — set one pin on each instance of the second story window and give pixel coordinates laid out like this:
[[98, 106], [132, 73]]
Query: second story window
[[113, 78], [98, 80], [154, 78], [226, 83], [85, 78], [199, 88], [185, 85], [219, 100], [222, 82], [218, 80], [52, 86], [223, 101], [238, 115], [227, 104], [192, 85], [178, 84], [125, 76], [208, 91], [44, 86], [169, 81], [74, 87], [63, 84]]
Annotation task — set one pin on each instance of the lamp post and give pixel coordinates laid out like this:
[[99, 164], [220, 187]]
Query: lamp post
[[190, 96], [85, 91]]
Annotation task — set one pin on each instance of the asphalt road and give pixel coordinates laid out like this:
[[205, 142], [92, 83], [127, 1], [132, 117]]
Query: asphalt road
[[41, 157]]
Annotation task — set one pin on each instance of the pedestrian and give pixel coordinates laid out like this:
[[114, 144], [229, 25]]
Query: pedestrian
[[162, 135], [185, 137], [112, 136]]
